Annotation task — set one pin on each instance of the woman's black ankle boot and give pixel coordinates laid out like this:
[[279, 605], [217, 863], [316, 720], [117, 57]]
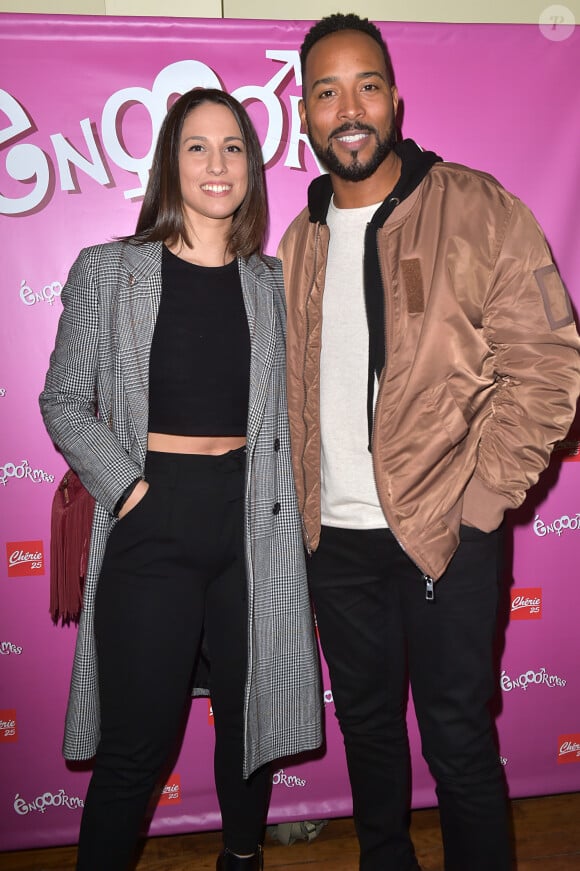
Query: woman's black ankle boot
[[228, 861]]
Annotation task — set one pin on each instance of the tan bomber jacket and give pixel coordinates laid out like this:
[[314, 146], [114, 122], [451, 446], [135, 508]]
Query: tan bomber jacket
[[482, 368]]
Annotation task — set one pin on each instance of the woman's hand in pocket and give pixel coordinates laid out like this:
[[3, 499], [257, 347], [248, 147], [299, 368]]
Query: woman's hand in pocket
[[134, 498]]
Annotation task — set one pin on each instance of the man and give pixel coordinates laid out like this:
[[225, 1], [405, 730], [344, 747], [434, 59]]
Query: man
[[433, 363]]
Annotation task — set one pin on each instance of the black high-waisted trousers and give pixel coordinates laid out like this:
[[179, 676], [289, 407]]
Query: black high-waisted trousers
[[173, 569]]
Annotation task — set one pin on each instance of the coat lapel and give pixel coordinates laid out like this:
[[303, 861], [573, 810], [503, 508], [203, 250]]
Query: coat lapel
[[139, 298], [260, 313]]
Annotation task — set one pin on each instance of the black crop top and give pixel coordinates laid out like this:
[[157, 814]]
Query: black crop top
[[199, 367]]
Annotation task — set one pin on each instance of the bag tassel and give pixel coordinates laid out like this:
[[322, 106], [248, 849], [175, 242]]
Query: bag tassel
[[71, 520]]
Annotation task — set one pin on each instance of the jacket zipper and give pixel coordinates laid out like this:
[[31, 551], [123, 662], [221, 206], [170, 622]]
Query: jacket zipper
[[308, 296], [429, 588], [427, 579], [306, 537]]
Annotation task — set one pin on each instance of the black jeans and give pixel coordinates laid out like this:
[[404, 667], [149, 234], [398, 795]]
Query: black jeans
[[173, 569], [377, 629]]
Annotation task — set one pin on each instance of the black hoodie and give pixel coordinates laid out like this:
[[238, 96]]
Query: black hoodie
[[415, 166]]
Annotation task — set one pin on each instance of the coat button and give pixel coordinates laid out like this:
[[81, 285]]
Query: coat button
[[276, 444], [276, 508]]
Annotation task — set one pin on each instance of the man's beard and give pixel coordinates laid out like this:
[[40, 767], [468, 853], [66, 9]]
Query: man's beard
[[355, 170]]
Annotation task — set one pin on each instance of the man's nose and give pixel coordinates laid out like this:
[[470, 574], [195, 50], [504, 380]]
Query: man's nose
[[350, 106]]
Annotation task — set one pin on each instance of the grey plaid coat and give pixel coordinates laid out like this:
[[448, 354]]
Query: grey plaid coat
[[101, 361]]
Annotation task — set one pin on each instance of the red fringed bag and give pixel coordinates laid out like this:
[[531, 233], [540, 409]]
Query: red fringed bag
[[70, 538]]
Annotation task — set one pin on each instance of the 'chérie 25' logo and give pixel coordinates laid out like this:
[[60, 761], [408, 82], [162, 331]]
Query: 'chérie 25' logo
[[171, 792], [568, 450], [8, 726], [25, 558], [569, 748], [526, 603]]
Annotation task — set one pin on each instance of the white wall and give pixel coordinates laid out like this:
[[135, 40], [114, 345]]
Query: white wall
[[501, 11]]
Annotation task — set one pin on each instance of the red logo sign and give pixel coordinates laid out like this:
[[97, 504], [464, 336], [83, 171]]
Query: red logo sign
[[8, 729], [25, 558], [569, 748], [210, 718], [171, 791], [526, 603], [568, 450]]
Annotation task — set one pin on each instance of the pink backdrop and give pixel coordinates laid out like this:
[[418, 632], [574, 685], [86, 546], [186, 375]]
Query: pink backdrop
[[81, 100]]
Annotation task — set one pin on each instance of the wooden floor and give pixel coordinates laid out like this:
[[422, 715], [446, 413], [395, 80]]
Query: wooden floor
[[547, 834]]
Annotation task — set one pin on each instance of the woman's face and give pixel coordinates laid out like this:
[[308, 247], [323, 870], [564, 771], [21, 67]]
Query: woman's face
[[213, 164]]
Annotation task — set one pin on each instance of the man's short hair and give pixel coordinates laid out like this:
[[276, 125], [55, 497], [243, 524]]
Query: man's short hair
[[337, 22]]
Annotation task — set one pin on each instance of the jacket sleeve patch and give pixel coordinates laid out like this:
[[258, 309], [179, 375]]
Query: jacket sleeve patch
[[554, 296], [413, 282]]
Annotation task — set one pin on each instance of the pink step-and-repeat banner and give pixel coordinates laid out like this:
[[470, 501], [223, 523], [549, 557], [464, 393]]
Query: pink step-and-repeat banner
[[81, 101]]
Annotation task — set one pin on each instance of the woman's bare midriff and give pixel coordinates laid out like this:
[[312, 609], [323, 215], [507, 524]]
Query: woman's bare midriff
[[177, 444]]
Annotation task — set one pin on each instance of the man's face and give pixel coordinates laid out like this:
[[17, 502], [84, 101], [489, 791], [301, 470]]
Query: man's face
[[349, 106]]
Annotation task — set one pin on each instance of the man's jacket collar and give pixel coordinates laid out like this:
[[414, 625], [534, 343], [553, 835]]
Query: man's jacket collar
[[416, 163]]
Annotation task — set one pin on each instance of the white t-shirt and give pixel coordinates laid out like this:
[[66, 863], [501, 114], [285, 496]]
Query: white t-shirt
[[349, 493]]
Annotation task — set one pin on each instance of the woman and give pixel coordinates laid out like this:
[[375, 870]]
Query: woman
[[166, 393]]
